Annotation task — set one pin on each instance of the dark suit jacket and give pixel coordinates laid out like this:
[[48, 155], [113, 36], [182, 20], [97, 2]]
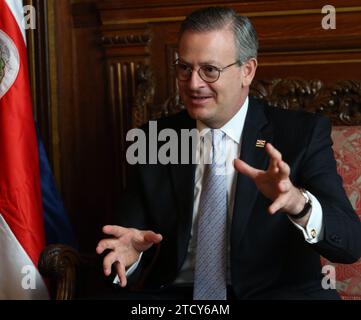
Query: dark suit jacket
[[269, 255]]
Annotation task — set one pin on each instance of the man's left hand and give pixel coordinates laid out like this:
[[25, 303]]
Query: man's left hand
[[275, 183]]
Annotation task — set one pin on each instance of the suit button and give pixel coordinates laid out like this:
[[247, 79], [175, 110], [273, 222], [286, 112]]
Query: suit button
[[336, 238]]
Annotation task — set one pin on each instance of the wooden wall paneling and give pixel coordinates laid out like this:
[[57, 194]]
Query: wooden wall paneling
[[93, 198], [127, 55], [298, 46], [77, 99], [259, 6], [164, 47], [292, 41], [41, 44], [37, 46], [62, 102]]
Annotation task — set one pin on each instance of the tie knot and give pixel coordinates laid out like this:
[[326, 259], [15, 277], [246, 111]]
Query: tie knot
[[218, 148]]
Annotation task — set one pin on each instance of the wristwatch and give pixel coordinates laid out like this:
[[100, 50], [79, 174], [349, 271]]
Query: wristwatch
[[306, 209]]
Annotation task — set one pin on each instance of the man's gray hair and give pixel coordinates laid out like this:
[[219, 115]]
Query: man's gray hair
[[218, 18]]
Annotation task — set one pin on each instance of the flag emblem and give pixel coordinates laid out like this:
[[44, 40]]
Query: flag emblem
[[9, 63], [260, 143]]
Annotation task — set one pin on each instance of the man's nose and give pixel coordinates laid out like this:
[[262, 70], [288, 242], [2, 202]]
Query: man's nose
[[195, 81]]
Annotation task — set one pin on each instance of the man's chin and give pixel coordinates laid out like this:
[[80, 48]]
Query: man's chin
[[204, 117], [198, 112]]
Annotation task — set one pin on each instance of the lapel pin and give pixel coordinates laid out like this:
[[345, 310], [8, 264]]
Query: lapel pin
[[260, 143]]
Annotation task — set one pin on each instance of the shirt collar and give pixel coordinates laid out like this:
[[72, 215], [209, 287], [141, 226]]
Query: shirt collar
[[233, 128]]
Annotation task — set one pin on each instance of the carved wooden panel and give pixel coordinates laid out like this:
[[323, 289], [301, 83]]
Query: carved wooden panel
[[127, 57], [127, 110], [340, 102]]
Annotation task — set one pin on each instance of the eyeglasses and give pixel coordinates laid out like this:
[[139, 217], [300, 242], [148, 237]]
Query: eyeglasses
[[208, 73]]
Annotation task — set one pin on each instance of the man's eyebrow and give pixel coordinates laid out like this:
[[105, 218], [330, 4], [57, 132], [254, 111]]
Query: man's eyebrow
[[208, 62], [183, 61]]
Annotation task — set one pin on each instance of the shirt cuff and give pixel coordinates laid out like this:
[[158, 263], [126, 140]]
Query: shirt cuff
[[130, 270], [313, 232]]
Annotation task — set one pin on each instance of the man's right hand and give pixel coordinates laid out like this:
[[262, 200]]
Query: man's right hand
[[126, 246]]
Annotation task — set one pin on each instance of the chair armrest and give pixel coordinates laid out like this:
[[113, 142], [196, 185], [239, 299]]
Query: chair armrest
[[59, 263]]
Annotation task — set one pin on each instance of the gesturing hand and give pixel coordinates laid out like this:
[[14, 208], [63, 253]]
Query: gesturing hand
[[126, 246], [274, 183]]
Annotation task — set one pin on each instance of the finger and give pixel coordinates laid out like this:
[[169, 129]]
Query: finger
[[273, 167], [246, 169], [108, 262], [284, 170], [152, 237], [274, 154], [277, 204], [116, 231], [105, 244], [99, 249], [120, 269]]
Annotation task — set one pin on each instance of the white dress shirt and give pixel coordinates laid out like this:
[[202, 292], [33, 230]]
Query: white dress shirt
[[313, 232]]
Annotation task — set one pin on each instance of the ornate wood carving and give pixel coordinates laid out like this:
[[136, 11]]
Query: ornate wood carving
[[131, 39], [144, 98], [341, 102]]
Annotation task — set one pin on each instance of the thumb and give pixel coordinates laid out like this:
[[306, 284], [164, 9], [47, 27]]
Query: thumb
[[245, 169]]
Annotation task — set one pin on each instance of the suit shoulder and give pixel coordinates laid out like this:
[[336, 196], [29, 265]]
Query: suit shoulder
[[176, 121], [294, 118]]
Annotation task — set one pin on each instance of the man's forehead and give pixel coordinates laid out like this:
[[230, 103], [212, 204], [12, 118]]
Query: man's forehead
[[205, 33], [211, 47]]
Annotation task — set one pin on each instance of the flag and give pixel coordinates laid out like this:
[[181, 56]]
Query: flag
[[58, 228], [19, 278], [21, 216]]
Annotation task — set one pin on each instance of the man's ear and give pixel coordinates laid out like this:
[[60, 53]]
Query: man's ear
[[248, 71]]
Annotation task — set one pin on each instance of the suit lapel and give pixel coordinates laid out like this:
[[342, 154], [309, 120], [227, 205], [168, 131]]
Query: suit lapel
[[255, 130], [182, 176], [183, 182]]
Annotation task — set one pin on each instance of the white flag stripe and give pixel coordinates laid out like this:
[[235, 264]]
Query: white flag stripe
[[17, 270], [16, 7]]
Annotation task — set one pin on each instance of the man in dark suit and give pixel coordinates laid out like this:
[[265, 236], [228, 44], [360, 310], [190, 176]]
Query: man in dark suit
[[285, 201]]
